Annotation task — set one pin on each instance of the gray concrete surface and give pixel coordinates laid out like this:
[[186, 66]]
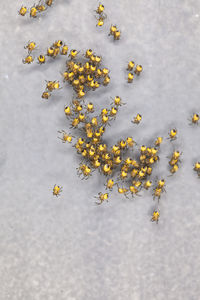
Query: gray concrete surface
[[68, 248]]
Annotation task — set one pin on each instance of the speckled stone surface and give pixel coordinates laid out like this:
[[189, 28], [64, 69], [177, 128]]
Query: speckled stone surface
[[68, 248]]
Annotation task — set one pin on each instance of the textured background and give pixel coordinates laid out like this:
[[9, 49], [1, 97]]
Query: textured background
[[67, 247]]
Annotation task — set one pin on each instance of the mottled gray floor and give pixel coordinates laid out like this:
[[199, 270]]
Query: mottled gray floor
[[68, 248]]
